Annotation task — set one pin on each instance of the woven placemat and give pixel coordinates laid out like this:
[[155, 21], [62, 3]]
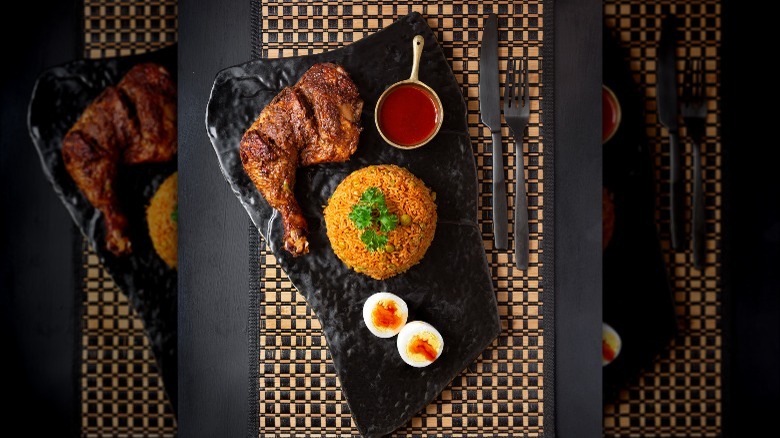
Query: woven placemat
[[502, 392], [681, 395], [121, 389]]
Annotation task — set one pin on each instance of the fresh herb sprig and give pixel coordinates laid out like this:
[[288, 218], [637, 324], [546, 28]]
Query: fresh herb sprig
[[372, 216]]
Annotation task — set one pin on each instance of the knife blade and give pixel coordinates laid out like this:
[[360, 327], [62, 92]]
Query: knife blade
[[490, 114], [666, 98]]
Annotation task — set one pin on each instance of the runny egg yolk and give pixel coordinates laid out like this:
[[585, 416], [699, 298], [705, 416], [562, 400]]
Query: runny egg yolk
[[385, 315], [423, 346], [607, 352]]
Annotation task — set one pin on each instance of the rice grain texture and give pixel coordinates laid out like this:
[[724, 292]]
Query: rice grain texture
[[162, 217], [405, 194]]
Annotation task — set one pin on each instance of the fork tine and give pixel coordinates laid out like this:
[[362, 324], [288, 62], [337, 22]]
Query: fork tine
[[508, 86], [526, 80], [687, 88], [515, 79], [515, 89], [520, 77], [700, 79]]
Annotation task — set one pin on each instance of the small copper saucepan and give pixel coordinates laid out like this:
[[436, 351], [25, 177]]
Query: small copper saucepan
[[409, 113]]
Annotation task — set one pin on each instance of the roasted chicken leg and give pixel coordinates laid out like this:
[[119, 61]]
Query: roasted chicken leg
[[315, 121], [134, 122]]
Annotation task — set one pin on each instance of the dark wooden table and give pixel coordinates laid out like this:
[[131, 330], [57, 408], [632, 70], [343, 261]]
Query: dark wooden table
[[214, 283]]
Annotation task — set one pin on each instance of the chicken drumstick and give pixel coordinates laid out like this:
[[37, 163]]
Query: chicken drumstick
[[134, 122], [316, 121]]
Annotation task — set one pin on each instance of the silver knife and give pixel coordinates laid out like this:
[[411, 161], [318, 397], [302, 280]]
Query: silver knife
[[490, 113], [666, 97]]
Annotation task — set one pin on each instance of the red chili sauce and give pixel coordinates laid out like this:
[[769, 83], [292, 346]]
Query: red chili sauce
[[408, 115]]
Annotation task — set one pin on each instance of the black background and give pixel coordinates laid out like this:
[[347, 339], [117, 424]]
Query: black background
[[39, 311], [39, 305], [751, 219]]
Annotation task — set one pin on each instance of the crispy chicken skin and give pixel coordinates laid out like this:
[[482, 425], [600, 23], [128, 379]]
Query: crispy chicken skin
[[134, 122], [316, 121], [92, 157], [336, 104], [151, 91]]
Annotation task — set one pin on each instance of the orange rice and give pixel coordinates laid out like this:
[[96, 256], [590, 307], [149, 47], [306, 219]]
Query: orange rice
[[163, 228], [404, 194]]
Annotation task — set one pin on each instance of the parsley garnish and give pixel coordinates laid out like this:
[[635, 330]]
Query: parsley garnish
[[175, 214], [361, 216], [373, 240], [372, 216]]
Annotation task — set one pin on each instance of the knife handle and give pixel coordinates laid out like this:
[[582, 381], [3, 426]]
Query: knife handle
[[521, 210], [697, 228], [676, 193], [500, 219]]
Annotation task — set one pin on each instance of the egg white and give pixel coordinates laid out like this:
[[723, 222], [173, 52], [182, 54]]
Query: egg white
[[405, 337], [372, 302], [610, 334]]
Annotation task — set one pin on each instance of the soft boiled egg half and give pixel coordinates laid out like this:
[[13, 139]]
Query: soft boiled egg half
[[419, 344], [385, 314]]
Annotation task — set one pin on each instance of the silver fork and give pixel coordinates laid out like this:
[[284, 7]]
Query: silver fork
[[517, 111], [694, 113]]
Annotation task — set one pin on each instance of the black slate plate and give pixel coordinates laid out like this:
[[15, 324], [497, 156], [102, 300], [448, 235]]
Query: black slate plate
[[60, 96], [451, 288], [637, 298]]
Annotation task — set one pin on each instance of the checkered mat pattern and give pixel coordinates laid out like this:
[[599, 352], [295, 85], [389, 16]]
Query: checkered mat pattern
[[681, 395], [121, 389], [502, 392]]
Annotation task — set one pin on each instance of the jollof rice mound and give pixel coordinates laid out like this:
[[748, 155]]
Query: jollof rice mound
[[405, 194], [162, 217]]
